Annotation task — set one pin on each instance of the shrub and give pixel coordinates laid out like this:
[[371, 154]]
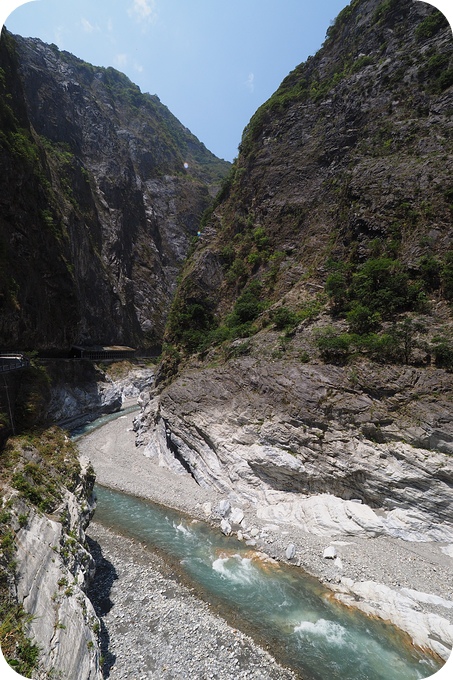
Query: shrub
[[227, 255], [36, 488], [383, 285], [447, 276], [248, 306], [361, 62], [260, 239], [189, 324], [254, 259], [430, 26], [384, 8], [404, 335], [333, 347], [362, 320], [337, 287], [20, 653], [237, 273], [430, 268], [442, 348], [283, 318]]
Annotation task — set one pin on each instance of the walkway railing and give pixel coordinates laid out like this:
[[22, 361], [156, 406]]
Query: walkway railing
[[13, 362]]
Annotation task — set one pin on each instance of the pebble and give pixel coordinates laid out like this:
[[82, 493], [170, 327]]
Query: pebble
[[426, 567], [154, 627]]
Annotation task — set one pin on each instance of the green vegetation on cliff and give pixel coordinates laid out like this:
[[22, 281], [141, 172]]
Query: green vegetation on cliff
[[103, 190], [36, 469], [333, 226]]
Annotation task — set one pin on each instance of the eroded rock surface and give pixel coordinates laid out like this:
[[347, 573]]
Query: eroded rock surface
[[300, 442], [52, 570], [81, 390], [94, 246]]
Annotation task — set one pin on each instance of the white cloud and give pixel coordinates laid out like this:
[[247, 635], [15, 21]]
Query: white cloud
[[59, 36], [121, 60], [143, 10], [250, 82], [138, 67], [87, 27]]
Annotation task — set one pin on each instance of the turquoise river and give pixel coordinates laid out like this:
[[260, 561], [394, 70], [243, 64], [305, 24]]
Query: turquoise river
[[296, 617], [283, 607]]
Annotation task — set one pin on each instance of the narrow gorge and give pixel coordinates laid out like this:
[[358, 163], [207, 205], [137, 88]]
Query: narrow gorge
[[300, 301]]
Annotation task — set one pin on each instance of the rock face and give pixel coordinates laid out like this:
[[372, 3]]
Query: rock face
[[51, 587], [97, 208], [372, 598], [280, 397], [345, 164], [80, 390], [48, 512], [300, 441]]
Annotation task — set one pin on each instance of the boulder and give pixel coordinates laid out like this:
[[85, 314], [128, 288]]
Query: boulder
[[290, 551], [224, 508], [225, 526], [330, 552], [236, 516]]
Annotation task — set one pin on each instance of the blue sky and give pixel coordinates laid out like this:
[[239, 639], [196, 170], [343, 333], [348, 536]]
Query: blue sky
[[213, 63]]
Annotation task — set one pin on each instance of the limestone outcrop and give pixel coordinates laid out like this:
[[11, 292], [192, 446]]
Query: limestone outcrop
[[48, 502], [53, 570], [81, 390], [308, 447]]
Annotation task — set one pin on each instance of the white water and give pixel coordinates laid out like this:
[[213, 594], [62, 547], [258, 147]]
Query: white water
[[303, 626]]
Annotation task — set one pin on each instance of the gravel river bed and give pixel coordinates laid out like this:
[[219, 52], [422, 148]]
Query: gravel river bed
[[154, 626]]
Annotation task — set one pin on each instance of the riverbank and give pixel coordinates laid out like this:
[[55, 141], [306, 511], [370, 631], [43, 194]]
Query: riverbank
[[153, 626], [409, 583]]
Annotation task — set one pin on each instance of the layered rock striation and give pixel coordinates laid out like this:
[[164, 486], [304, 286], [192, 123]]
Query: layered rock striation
[[309, 447], [305, 333], [303, 369], [47, 503]]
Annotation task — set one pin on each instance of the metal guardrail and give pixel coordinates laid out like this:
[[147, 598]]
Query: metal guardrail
[[13, 362]]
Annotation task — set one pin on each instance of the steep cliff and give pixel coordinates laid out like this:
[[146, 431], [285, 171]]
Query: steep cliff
[[342, 191], [49, 626], [309, 344], [101, 191]]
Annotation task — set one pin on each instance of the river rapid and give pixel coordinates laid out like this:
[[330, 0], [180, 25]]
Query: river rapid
[[292, 612], [287, 611]]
